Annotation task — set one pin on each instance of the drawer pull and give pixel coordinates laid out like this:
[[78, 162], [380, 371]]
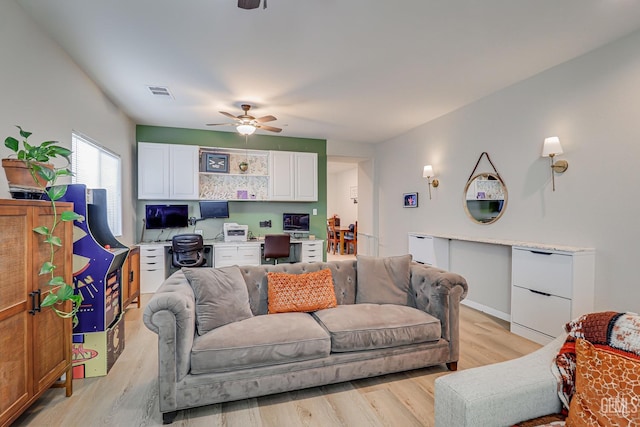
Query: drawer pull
[[540, 293], [419, 237], [541, 253]]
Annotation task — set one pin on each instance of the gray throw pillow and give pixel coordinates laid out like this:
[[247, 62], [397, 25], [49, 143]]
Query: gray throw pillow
[[221, 296], [383, 280]]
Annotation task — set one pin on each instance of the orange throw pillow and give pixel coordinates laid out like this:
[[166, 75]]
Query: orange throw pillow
[[300, 292], [607, 388]]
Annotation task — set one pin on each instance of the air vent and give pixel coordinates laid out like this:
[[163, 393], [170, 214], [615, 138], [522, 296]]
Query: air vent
[[160, 91]]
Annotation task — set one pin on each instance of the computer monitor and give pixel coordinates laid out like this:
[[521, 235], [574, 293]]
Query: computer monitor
[[166, 216], [295, 223], [214, 209]]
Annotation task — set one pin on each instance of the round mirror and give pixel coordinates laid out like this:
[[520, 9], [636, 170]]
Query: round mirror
[[485, 198]]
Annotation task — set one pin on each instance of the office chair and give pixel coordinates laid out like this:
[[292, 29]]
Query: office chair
[[276, 246], [187, 250]]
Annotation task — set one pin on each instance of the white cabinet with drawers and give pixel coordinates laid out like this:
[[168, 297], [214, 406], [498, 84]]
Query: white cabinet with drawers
[[548, 289], [152, 267], [312, 251], [236, 254]]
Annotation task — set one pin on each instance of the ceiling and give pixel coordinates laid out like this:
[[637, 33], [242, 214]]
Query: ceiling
[[347, 71]]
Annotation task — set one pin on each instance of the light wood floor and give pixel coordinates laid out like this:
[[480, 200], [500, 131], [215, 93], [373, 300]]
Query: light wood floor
[[128, 395]]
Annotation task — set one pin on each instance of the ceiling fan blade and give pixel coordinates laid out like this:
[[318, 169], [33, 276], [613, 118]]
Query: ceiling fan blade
[[265, 119], [220, 124], [224, 113], [269, 128]]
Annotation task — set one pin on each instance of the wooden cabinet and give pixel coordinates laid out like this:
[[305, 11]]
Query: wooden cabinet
[[35, 344], [548, 289], [131, 278], [293, 176], [168, 172]]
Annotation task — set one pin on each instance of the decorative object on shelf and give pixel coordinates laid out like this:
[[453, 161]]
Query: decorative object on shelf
[[427, 172], [552, 148], [36, 158], [485, 195], [214, 162], [243, 166], [410, 200], [246, 124]]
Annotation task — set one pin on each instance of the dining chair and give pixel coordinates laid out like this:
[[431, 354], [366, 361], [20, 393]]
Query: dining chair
[[333, 237], [351, 238]]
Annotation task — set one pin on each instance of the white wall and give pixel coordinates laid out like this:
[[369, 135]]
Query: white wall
[[593, 104], [46, 93], [338, 197]]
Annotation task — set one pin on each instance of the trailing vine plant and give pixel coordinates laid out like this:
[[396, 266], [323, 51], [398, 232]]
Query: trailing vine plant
[[37, 158]]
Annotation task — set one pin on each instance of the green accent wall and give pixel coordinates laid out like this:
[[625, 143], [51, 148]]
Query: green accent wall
[[249, 212]]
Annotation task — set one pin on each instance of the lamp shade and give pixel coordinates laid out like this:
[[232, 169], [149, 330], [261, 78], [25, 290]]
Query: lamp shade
[[246, 129], [551, 146], [427, 172]]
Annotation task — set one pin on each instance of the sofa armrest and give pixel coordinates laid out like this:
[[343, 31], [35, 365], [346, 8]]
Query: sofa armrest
[[501, 394], [439, 292], [171, 314]]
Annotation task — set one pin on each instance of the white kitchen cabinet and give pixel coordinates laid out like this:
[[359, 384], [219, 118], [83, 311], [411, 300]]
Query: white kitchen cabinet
[[168, 172], [293, 176], [429, 250], [236, 254], [312, 251], [152, 267], [548, 289]]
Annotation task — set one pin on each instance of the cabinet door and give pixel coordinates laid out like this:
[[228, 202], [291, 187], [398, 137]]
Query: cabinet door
[[183, 172], [153, 171], [134, 274], [51, 333], [306, 177], [15, 264], [281, 182]]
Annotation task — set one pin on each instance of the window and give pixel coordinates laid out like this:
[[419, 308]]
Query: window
[[97, 167]]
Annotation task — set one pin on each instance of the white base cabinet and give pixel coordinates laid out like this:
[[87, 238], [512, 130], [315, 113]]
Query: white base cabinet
[[152, 267], [312, 251], [236, 254], [548, 289]]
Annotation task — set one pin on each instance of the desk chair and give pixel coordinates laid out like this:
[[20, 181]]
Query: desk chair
[[187, 250], [276, 246], [333, 237], [351, 238]]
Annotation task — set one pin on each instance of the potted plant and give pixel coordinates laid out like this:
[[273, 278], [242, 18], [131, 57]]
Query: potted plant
[[36, 160]]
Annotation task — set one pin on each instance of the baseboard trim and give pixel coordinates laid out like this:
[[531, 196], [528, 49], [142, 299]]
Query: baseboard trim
[[485, 309]]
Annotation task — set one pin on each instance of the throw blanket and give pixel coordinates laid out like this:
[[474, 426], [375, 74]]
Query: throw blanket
[[610, 331]]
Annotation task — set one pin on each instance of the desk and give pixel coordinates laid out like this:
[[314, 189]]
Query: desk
[[155, 260]]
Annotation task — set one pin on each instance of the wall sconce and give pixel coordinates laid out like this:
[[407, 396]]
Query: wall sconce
[[427, 173], [550, 149]]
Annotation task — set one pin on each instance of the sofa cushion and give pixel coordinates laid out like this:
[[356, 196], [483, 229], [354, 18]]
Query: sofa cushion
[[607, 388], [260, 341], [370, 326], [383, 280], [221, 296], [300, 292]]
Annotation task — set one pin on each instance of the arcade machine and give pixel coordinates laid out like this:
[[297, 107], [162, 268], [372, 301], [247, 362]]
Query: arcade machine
[[98, 338]]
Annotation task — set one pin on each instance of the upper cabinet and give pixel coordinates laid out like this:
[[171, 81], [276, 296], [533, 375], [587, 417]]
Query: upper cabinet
[[294, 176], [167, 171]]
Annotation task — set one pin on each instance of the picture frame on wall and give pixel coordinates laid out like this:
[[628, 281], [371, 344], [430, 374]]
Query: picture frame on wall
[[214, 163], [410, 200]]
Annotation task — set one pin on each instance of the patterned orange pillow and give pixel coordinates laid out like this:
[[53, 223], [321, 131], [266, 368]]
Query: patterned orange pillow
[[607, 388], [300, 292]]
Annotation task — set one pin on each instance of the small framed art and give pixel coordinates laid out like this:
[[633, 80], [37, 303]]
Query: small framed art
[[214, 162], [410, 200]]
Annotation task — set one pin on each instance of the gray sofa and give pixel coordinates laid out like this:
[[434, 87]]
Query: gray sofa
[[273, 353]]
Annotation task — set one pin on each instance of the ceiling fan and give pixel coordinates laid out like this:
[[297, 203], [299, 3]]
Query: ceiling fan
[[251, 4], [246, 124]]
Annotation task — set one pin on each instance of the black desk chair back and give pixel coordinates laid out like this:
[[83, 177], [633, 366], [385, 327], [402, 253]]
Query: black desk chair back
[[187, 250], [276, 246]]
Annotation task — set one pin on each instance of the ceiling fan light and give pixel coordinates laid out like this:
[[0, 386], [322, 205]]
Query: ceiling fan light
[[245, 129]]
